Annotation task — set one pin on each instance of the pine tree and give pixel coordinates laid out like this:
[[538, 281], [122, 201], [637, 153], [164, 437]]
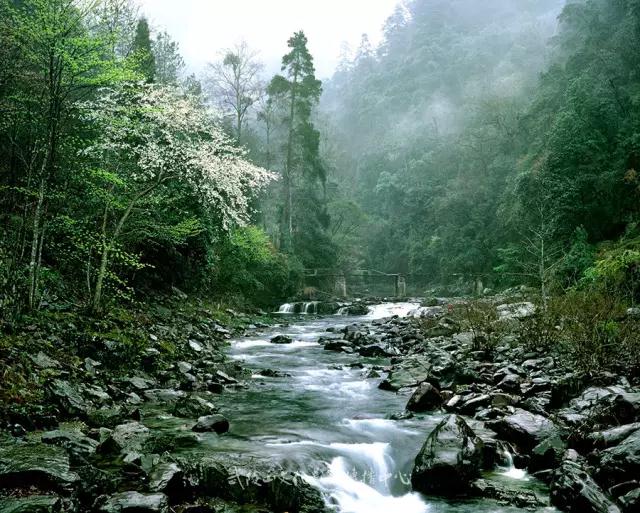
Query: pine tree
[[143, 53], [300, 91]]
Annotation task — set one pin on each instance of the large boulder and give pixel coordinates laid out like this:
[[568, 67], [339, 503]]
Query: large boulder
[[31, 504], [135, 502], [126, 440], [216, 423], [281, 339], [408, 373], [425, 398], [75, 442], [449, 460], [574, 490], [523, 428], [193, 406], [36, 464], [249, 480], [621, 461]]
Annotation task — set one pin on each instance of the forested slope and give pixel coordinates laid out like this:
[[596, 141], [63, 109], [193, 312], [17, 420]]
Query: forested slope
[[478, 135]]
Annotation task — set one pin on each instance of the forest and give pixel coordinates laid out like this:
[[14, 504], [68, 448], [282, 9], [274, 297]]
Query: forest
[[155, 220]]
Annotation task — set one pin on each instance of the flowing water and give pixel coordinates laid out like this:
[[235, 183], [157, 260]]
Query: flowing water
[[326, 412]]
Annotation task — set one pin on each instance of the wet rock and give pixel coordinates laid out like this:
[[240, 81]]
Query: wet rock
[[373, 351], [247, 480], [631, 501], [340, 346], [574, 490], [518, 498], [46, 466], [45, 362], [547, 454], [523, 428], [281, 339], [166, 477], [510, 383], [216, 423], [613, 436], [164, 395], [622, 460], [31, 504], [449, 460], [69, 398], [126, 439], [408, 373], [474, 403], [135, 502], [75, 442], [425, 398], [193, 406]]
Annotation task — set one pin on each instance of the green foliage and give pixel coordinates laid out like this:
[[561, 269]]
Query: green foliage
[[249, 266], [594, 334]]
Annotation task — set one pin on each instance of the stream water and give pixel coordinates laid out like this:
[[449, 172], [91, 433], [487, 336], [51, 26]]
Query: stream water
[[326, 411]]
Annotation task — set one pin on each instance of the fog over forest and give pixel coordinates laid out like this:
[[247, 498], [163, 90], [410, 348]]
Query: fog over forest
[[254, 260]]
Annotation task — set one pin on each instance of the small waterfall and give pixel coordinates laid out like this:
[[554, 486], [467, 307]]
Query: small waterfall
[[343, 310], [510, 469], [287, 308], [311, 307]]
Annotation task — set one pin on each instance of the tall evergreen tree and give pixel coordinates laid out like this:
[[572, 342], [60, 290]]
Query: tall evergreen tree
[[300, 91], [143, 52]]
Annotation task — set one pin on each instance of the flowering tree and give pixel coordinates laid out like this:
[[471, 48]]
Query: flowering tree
[[152, 139]]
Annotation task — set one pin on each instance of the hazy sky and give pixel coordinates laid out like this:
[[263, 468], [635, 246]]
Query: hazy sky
[[203, 27]]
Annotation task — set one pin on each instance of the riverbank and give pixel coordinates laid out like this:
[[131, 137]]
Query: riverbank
[[195, 408]]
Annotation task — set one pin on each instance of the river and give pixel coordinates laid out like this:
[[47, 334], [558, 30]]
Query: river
[[327, 411]]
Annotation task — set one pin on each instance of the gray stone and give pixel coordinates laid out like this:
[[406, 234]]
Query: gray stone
[[31, 504], [449, 460], [523, 428], [135, 502], [425, 398], [574, 490], [216, 423], [36, 463]]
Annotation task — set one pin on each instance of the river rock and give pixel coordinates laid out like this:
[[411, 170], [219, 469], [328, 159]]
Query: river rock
[[574, 490], [547, 454], [410, 372], [69, 398], [281, 339], [521, 499], [216, 423], [622, 460], [75, 442], [449, 460], [23, 465], [373, 351], [249, 480], [612, 436], [425, 398], [31, 504], [523, 428], [165, 477], [339, 345], [126, 439], [193, 406], [631, 501], [135, 502]]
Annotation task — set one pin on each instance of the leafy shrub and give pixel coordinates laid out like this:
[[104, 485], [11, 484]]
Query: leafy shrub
[[481, 318], [595, 335], [250, 266]]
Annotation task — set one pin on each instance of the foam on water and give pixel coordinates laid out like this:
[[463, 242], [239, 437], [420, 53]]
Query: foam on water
[[390, 309], [354, 496]]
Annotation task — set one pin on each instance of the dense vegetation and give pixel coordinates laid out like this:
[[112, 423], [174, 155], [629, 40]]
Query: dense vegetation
[[495, 142]]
